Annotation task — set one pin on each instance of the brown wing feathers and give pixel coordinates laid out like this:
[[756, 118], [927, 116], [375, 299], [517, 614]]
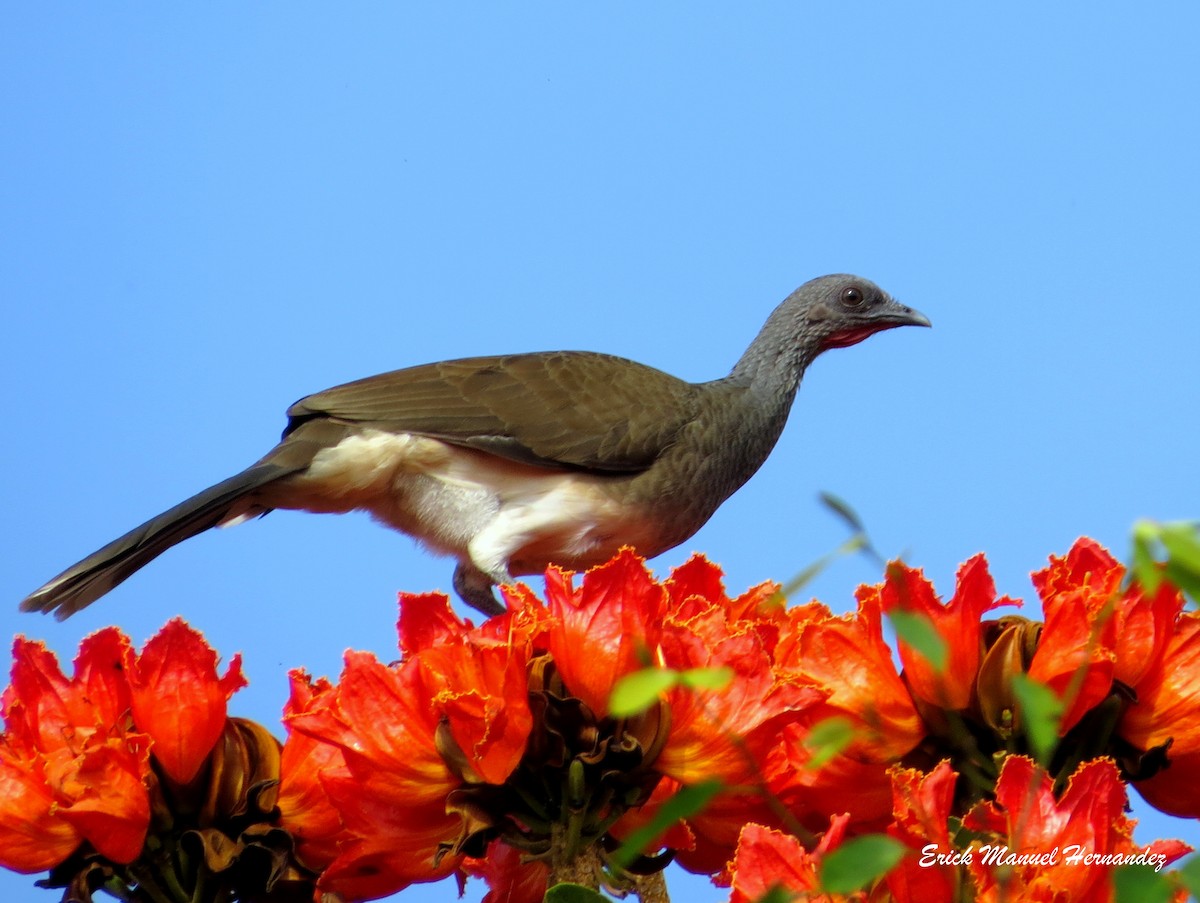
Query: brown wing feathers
[[567, 409]]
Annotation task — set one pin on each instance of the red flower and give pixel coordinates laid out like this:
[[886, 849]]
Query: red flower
[[1143, 623], [306, 810], [1096, 633], [847, 658], [389, 787], [922, 806], [178, 699], [958, 623], [33, 834], [608, 628], [386, 746], [844, 784], [76, 754], [727, 734], [1167, 710], [509, 877], [766, 859], [1042, 845], [476, 680], [73, 766]]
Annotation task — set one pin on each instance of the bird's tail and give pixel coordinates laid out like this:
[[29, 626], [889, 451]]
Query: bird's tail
[[85, 582]]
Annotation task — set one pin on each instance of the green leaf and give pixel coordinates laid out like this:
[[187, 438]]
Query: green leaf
[[1182, 542], [1189, 874], [573, 893], [1145, 568], [706, 678], [858, 862], [839, 507], [1140, 884], [684, 804], [1179, 541], [827, 738], [638, 691], [797, 583], [1040, 712], [777, 894], [916, 631]]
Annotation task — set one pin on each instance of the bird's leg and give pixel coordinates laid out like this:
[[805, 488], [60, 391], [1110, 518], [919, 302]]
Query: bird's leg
[[477, 589]]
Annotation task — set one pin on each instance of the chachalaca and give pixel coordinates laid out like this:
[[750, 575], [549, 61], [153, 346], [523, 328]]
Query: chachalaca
[[511, 463]]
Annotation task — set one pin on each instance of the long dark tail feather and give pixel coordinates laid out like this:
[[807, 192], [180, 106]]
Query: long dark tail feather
[[85, 582]]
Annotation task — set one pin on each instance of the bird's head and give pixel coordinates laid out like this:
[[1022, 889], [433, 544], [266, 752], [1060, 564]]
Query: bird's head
[[842, 310], [827, 312]]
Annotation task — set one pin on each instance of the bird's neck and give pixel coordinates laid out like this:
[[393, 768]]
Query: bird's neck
[[773, 365], [747, 410]]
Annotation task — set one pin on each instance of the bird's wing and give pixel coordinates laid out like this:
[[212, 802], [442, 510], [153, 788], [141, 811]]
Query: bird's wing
[[564, 409]]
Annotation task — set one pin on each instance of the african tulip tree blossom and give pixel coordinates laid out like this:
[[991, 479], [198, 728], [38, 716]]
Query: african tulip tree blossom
[[1144, 622], [486, 740], [89, 739], [500, 751], [103, 771], [74, 766], [178, 698], [922, 804], [1167, 715], [847, 657], [373, 749], [485, 733], [1057, 848], [959, 624], [767, 859]]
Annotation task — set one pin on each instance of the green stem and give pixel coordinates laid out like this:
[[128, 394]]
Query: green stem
[[146, 886], [198, 889], [176, 889]]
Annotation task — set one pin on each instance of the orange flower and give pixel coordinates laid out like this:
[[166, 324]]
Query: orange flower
[[306, 810], [1096, 632], [767, 859], [847, 658], [370, 764], [1076, 654], [33, 835], [1167, 710], [510, 878], [476, 680], [72, 765], [727, 734], [1060, 850], [389, 789], [1144, 623], [178, 699], [606, 629], [843, 785], [922, 805], [958, 623]]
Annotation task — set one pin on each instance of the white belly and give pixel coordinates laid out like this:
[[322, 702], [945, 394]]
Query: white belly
[[507, 518]]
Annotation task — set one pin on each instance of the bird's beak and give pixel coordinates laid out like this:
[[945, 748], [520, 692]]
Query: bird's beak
[[887, 316], [896, 314]]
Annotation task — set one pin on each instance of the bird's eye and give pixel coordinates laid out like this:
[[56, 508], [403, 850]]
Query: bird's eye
[[852, 296]]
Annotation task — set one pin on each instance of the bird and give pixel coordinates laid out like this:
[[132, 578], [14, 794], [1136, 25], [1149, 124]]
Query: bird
[[512, 463]]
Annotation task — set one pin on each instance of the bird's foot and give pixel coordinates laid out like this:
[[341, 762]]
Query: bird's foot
[[477, 589]]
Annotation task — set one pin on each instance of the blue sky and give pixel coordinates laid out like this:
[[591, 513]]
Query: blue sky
[[207, 213]]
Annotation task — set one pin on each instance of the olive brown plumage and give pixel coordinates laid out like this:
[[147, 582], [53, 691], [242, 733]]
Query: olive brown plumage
[[515, 462]]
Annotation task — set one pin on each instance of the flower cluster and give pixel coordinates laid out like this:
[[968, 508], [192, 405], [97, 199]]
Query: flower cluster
[[486, 740], [129, 775], [494, 750], [772, 742]]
